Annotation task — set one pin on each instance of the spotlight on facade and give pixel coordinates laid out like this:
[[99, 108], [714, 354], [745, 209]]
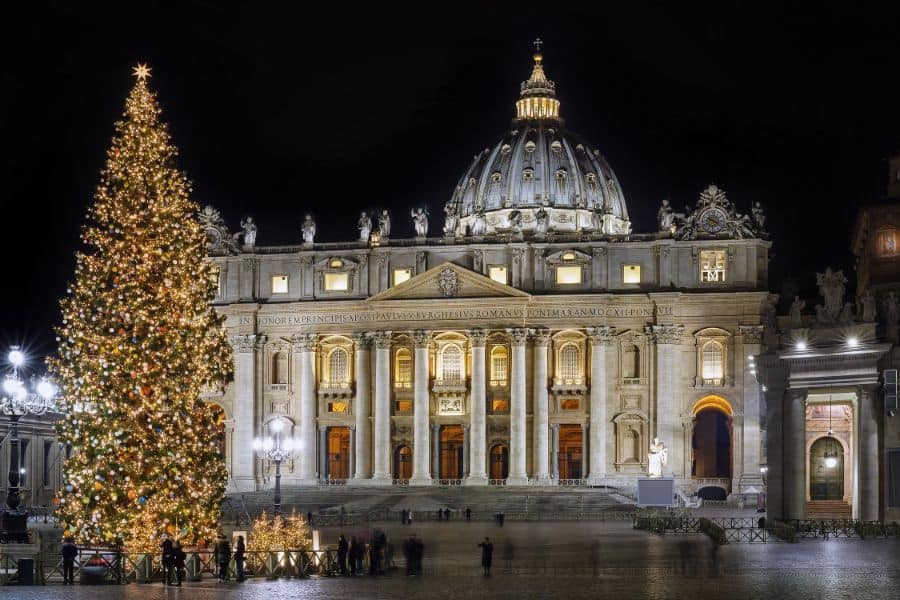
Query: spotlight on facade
[[764, 469], [16, 357], [800, 345], [831, 461], [853, 342]]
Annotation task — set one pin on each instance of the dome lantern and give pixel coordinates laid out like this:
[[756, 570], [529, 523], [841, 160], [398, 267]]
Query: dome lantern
[[537, 99]]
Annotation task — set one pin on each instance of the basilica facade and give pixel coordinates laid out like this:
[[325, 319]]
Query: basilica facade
[[531, 338]]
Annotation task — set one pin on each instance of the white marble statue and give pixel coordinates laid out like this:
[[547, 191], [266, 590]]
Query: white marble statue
[[797, 307], [420, 221], [867, 310], [657, 458], [451, 219], [515, 221], [831, 287], [364, 224], [308, 229], [759, 217], [384, 224], [479, 225], [597, 220], [542, 221], [249, 228], [665, 217]]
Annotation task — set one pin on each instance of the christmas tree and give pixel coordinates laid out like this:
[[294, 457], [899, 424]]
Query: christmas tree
[[138, 343]]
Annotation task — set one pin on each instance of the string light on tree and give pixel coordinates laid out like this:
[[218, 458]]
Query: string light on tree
[[137, 344]]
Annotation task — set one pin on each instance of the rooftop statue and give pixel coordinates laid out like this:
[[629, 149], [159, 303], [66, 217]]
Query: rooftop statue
[[665, 217], [451, 220], [831, 287], [364, 225], [420, 221], [219, 239], [867, 309], [384, 224], [542, 221], [308, 229], [248, 233], [479, 224], [797, 307]]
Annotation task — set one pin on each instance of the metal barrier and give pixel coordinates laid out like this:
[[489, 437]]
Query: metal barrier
[[843, 529]]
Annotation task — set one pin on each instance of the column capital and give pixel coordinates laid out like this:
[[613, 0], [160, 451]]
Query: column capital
[[304, 342], [752, 334], [361, 340], [554, 426], [382, 339], [245, 342], [601, 336], [665, 334], [466, 426], [519, 336], [540, 337], [478, 337], [351, 427], [435, 427], [797, 394], [421, 338]]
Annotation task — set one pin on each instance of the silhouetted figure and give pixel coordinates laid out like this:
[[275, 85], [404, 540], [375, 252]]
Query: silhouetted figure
[[223, 556], [354, 548], [487, 555], [468, 514], [309, 518], [239, 549], [418, 554], [178, 558], [168, 560], [69, 553], [408, 550], [342, 550], [403, 517], [446, 514], [508, 554], [502, 518]]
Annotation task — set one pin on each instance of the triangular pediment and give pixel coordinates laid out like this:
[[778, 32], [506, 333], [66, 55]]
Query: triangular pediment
[[449, 281]]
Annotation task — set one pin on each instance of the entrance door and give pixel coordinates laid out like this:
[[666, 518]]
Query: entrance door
[[711, 444], [499, 461], [403, 462], [826, 477], [451, 452], [338, 452], [570, 452]]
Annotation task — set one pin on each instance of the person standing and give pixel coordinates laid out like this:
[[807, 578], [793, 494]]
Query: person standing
[[239, 549], [168, 560], [468, 514], [223, 557], [178, 558], [69, 553], [408, 553], [487, 555], [342, 555], [419, 554]]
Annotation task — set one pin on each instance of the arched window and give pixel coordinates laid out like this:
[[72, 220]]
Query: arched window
[[403, 368], [499, 366], [631, 362], [569, 363], [451, 363], [279, 368], [339, 367], [713, 363]]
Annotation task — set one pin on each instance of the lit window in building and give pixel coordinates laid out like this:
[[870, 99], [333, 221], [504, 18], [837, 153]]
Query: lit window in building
[[569, 363], [499, 366], [713, 363], [336, 263], [568, 275], [569, 404], [712, 266], [339, 367], [337, 407], [279, 284], [631, 274], [451, 363], [403, 406], [401, 275], [403, 369], [498, 274], [887, 243], [337, 282], [499, 405]]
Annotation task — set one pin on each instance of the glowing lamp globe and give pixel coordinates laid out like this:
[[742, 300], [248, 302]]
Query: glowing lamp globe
[[831, 461], [16, 358]]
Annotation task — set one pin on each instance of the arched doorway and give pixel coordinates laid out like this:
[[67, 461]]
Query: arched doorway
[[711, 439], [451, 466], [338, 453], [403, 462], [570, 452], [826, 469], [499, 461]]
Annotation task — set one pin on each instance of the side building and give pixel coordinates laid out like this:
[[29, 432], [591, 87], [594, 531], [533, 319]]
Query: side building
[[535, 341]]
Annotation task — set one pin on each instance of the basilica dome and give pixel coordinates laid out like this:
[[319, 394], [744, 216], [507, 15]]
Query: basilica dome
[[539, 177]]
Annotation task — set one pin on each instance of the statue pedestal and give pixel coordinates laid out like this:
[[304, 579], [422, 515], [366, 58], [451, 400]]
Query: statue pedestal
[[656, 491]]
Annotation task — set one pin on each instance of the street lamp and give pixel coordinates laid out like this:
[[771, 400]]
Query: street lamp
[[16, 401], [276, 448]]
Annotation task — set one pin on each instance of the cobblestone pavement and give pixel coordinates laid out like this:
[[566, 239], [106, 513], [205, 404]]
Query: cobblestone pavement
[[571, 560]]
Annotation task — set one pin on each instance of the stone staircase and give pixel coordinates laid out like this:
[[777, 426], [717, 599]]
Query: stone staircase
[[827, 509]]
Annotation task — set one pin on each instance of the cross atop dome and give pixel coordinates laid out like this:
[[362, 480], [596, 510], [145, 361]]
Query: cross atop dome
[[538, 94]]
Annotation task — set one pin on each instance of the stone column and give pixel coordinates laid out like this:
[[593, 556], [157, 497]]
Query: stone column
[[323, 453], [541, 338], [244, 412], [668, 342], [436, 451], [421, 474], [585, 450], [750, 476], [775, 428], [795, 454], [465, 453], [362, 410], [554, 451], [352, 450], [478, 438], [305, 356], [382, 446], [602, 338], [869, 454], [517, 421]]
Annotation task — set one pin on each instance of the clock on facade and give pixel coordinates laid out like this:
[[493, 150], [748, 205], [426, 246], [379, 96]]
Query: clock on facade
[[713, 220]]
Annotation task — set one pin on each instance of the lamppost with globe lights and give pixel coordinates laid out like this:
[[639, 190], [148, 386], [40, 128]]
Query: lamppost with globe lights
[[277, 448], [17, 401]]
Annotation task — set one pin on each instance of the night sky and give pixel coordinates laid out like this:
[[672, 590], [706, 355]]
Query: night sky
[[337, 108]]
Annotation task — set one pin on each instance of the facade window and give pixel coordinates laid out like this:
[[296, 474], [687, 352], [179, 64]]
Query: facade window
[[499, 405], [401, 275], [279, 284], [339, 367], [887, 242], [337, 407], [336, 263], [403, 406], [713, 363], [712, 266], [499, 366], [498, 274], [569, 364], [568, 275], [631, 362], [337, 282], [279, 369], [631, 273], [528, 175], [452, 363], [403, 369], [569, 404]]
